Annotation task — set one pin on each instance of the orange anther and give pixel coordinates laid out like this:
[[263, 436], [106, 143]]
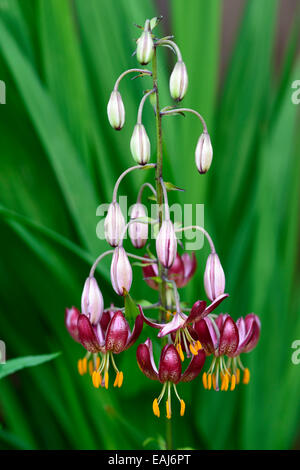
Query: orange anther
[[155, 408], [182, 407], [209, 381], [246, 378], [120, 380], [116, 379], [233, 382], [204, 380], [106, 379]]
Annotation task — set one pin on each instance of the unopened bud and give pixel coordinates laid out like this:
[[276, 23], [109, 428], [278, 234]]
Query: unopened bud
[[140, 145], [203, 153], [145, 46], [178, 81], [92, 301], [114, 224], [214, 277], [116, 110], [120, 271], [166, 244], [138, 231]]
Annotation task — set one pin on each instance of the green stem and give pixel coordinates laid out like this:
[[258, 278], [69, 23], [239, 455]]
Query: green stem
[[159, 192]]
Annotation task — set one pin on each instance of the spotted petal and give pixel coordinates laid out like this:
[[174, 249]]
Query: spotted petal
[[169, 365], [90, 336], [71, 319], [117, 333], [229, 338], [208, 334]]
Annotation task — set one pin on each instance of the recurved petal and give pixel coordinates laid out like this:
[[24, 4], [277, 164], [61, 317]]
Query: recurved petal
[[194, 367], [169, 365], [145, 360], [137, 329], [229, 338], [197, 311], [117, 333], [178, 321], [215, 303], [89, 335], [208, 334], [253, 325], [71, 319]]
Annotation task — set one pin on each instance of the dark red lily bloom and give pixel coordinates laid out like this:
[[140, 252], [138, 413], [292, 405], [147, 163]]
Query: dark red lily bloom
[[181, 271], [180, 325], [169, 372], [224, 337], [111, 335], [71, 319]]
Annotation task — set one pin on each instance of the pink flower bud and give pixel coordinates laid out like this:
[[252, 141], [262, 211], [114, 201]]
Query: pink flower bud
[[203, 153], [120, 271], [114, 224], [140, 145], [214, 277], [178, 81], [138, 231], [166, 244], [92, 301], [116, 110]]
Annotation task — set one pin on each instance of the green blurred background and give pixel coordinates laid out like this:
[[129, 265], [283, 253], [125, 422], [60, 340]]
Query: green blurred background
[[59, 159]]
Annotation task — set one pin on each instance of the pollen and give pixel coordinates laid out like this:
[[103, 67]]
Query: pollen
[[214, 381], [225, 383], [168, 408], [79, 366], [84, 365], [182, 407], [204, 380], [97, 362], [116, 382], [96, 379], [120, 381], [199, 345], [91, 367], [106, 379], [179, 350], [238, 376], [233, 382], [209, 381], [155, 408], [246, 378], [193, 350]]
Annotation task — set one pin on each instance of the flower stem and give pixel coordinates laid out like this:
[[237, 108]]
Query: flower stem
[[159, 192]]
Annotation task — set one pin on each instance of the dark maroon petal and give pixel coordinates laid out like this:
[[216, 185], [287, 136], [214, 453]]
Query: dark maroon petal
[[197, 311], [229, 338], [194, 367], [190, 265], [215, 303], [145, 360], [137, 329], [105, 319], [88, 335], [252, 323], [207, 334], [71, 319], [176, 272], [169, 365], [117, 333], [150, 271], [150, 322]]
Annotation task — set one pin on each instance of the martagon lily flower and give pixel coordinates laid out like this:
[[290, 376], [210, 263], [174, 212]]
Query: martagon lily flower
[[181, 327], [169, 372], [181, 271], [223, 337], [111, 335]]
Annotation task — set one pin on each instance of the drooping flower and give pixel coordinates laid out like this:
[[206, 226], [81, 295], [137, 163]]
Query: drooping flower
[[138, 231], [114, 224], [116, 110], [203, 153], [223, 338], [214, 277], [92, 300], [181, 271], [111, 335], [181, 327], [145, 46], [120, 271], [169, 372], [166, 244], [178, 81]]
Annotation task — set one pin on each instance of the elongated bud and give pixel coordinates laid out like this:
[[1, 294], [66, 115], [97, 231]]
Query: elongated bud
[[92, 301], [114, 224], [138, 231], [203, 153], [214, 277], [166, 244], [140, 145], [178, 81], [116, 110], [120, 271], [145, 46]]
